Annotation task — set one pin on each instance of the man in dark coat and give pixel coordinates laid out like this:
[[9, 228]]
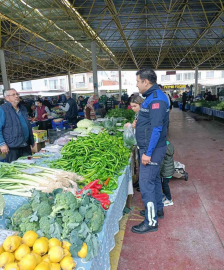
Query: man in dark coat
[[16, 134], [184, 100], [71, 109]]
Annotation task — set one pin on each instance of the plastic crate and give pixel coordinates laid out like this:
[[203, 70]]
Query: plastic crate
[[60, 125], [180, 106], [55, 134]]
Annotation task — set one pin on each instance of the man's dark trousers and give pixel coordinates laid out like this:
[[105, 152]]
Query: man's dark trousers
[[150, 186], [15, 153]]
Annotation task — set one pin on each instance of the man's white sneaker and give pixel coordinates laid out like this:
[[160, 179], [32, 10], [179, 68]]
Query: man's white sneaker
[[168, 202]]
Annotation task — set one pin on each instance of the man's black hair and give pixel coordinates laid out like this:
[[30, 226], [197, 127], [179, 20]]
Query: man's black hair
[[40, 101], [147, 74], [160, 85]]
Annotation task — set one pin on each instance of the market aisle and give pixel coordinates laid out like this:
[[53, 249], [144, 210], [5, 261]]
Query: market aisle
[[191, 236]]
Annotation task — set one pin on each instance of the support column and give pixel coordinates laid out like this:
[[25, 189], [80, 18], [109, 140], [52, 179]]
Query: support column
[[120, 83], [3, 70], [94, 67], [196, 82], [69, 84]]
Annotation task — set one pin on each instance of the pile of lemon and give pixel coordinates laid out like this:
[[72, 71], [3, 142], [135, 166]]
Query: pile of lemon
[[33, 253]]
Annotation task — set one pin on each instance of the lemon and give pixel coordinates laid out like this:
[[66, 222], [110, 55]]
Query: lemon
[[54, 242], [43, 266], [21, 251], [55, 266], [67, 263], [10, 266], [28, 262], [37, 256], [11, 243], [6, 257], [66, 245], [45, 258], [29, 238], [66, 252], [1, 250], [45, 238], [56, 254], [83, 251], [40, 246]]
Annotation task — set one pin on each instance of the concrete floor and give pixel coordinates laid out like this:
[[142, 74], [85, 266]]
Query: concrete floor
[[191, 236]]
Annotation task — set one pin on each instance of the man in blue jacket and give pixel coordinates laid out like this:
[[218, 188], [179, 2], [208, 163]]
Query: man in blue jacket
[[151, 132], [16, 134]]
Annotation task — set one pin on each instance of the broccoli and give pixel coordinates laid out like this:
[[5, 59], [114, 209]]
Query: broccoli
[[71, 217], [26, 225], [45, 226], [43, 209], [39, 196], [23, 212], [94, 218], [64, 201]]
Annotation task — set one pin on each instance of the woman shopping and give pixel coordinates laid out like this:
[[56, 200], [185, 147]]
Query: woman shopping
[[89, 109]]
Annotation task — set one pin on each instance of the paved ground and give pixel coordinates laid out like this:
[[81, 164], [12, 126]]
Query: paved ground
[[191, 236]]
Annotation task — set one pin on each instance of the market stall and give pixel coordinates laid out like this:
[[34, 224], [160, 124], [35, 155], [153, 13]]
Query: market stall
[[94, 154]]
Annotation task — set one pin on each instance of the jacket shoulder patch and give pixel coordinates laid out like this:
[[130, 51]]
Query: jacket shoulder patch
[[155, 106]]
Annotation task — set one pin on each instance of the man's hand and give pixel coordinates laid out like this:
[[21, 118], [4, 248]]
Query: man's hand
[[134, 124], [4, 149], [44, 115], [127, 125], [145, 160]]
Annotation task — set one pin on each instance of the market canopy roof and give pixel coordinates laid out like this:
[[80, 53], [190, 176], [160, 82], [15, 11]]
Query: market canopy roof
[[44, 38]]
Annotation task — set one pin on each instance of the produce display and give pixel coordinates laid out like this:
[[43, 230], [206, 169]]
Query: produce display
[[216, 105], [127, 114], [30, 252], [20, 179], [62, 216], [95, 157]]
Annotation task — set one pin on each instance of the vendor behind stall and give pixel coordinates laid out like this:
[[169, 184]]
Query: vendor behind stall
[[89, 109], [71, 109], [42, 112], [16, 134], [32, 111]]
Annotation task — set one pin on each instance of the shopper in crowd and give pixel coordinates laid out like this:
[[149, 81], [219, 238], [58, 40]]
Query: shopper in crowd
[[71, 109], [32, 111], [82, 103], [210, 96], [166, 172], [184, 100], [42, 112], [47, 103], [89, 109], [16, 134], [135, 104], [151, 132], [206, 94]]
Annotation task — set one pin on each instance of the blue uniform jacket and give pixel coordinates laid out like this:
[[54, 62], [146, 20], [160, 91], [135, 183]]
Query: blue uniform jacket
[[153, 119]]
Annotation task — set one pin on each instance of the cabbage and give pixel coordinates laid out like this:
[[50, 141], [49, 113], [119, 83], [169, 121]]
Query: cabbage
[[80, 130], [85, 123]]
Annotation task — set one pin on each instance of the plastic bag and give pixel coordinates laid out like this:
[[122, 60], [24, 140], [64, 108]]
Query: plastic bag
[[129, 137]]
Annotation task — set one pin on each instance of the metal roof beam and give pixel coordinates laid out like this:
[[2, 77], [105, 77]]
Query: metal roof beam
[[201, 35], [112, 9]]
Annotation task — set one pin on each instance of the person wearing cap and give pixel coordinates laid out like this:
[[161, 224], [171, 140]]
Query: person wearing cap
[[89, 109]]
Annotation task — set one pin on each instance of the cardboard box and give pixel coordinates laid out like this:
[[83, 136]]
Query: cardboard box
[[37, 147], [40, 135]]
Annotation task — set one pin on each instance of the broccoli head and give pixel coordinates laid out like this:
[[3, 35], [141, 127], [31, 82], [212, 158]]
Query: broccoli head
[[26, 225], [42, 209], [45, 224], [71, 217], [63, 201], [23, 212], [95, 224]]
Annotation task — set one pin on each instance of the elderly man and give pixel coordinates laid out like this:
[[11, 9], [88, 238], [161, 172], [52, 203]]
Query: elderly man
[[71, 109], [16, 134]]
